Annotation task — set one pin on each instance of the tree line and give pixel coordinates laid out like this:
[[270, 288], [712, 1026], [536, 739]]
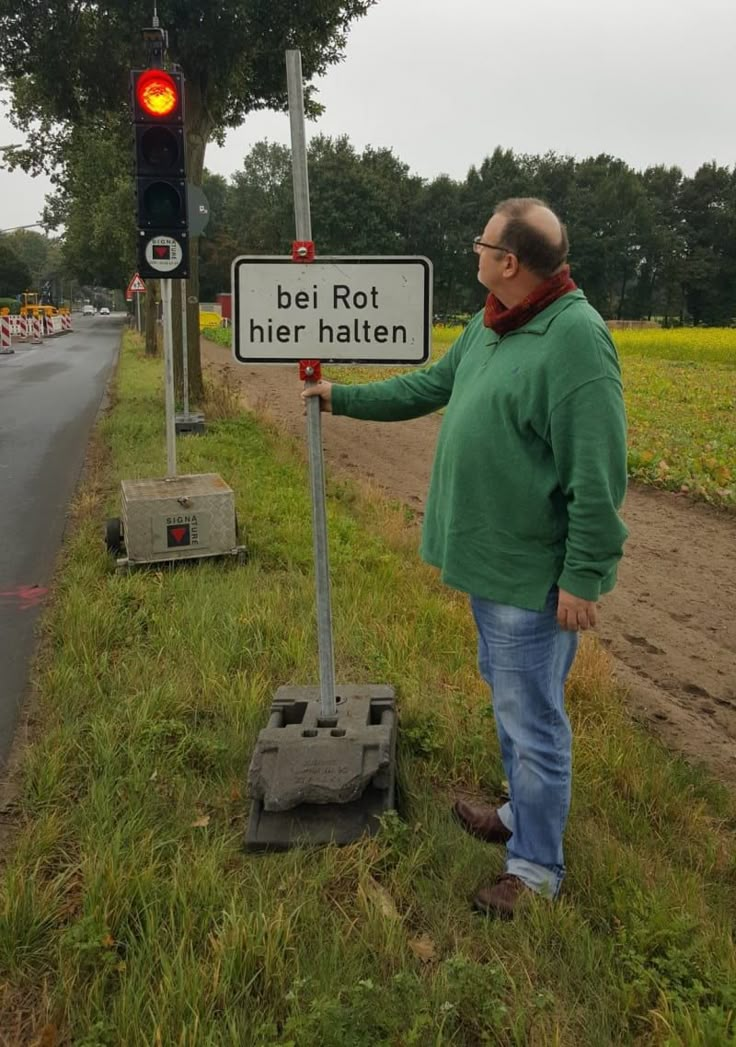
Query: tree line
[[30, 261], [36, 263], [651, 244], [644, 244]]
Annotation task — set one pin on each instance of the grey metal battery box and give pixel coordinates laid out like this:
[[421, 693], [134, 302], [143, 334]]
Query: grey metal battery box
[[178, 518]]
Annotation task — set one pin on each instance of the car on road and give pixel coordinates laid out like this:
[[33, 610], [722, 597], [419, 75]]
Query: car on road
[[88, 310], [104, 311]]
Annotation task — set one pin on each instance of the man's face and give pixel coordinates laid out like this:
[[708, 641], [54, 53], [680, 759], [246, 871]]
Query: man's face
[[492, 262]]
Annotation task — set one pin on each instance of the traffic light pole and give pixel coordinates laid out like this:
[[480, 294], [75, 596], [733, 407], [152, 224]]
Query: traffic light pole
[[166, 286], [185, 348]]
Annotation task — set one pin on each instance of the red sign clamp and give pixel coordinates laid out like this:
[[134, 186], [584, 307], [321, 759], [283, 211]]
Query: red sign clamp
[[302, 251], [310, 370]]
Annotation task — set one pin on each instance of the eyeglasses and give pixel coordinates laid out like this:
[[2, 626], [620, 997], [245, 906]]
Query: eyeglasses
[[477, 242]]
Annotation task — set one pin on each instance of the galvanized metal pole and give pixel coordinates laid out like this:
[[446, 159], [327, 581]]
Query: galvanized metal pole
[[138, 312], [166, 286], [184, 347], [314, 425]]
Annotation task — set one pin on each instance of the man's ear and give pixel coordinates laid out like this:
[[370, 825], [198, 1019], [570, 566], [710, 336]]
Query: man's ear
[[511, 267]]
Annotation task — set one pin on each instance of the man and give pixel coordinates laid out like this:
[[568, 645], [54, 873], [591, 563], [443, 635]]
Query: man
[[522, 513]]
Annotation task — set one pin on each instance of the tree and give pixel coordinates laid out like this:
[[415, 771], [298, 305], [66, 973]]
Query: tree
[[361, 203], [260, 206], [709, 217], [443, 236], [603, 220], [664, 246], [217, 247], [44, 259], [231, 53], [15, 276], [554, 181], [500, 176], [94, 202], [32, 249]]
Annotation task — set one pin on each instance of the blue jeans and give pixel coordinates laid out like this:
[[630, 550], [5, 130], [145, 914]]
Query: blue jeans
[[525, 657]]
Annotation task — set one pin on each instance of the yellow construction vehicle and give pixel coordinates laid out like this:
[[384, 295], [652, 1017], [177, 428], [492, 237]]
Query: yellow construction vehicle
[[31, 306]]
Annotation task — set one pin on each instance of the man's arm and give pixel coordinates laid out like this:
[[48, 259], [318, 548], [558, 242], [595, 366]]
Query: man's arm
[[395, 399], [588, 438]]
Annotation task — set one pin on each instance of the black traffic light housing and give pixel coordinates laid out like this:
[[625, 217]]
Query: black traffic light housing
[[157, 103]]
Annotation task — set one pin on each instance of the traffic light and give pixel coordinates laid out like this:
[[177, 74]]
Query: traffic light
[[157, 99]]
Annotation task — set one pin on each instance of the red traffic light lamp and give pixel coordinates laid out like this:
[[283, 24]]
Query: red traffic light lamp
[[157, 95]]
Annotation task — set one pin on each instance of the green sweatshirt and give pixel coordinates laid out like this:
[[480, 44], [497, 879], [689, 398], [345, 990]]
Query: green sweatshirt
[[530, 467]]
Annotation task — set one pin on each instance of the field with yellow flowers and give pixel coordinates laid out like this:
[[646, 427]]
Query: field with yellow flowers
[[680, 388], [681, 401]]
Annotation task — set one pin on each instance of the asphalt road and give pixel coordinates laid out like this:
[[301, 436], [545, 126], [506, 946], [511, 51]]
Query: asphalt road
[[49, 397]]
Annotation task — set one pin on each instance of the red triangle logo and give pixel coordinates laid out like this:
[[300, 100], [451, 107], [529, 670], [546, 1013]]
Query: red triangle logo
[[179, 533]]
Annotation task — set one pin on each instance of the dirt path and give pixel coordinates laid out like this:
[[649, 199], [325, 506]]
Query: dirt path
[[670, 624]]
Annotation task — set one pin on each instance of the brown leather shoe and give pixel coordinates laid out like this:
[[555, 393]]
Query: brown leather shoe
[[501, 898], [482, 822]]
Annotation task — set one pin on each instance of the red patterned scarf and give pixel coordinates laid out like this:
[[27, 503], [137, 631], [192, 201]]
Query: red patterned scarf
[[502, 320]]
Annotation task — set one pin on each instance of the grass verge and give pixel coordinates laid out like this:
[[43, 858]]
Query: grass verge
[[129, 913]]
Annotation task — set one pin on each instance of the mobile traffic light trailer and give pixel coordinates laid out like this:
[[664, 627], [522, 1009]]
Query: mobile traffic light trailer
[[176, 517], [164, 520]]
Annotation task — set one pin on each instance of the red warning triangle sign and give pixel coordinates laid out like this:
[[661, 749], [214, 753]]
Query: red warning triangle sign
[[136, 285]]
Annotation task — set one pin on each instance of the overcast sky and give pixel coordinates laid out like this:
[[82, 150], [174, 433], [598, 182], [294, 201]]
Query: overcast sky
[[443, 82]]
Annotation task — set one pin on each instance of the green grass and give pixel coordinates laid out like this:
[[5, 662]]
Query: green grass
[[129, 913], [681, 400], [221, 335], [682, 426]]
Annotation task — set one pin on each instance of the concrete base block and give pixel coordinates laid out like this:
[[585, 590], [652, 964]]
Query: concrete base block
[[314, 781], [191, 424]]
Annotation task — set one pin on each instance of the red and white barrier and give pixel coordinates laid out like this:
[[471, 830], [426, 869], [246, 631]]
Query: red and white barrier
[[53, 325], [5, 347], [37, 327], [19, 328]]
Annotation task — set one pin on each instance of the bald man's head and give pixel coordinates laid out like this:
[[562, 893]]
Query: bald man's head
[[534, 233]]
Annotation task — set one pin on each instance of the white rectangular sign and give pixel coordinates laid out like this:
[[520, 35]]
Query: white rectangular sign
[[334, 309]]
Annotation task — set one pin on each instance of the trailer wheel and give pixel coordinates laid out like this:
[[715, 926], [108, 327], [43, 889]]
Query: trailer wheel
[[114, 535], [242, 554]]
